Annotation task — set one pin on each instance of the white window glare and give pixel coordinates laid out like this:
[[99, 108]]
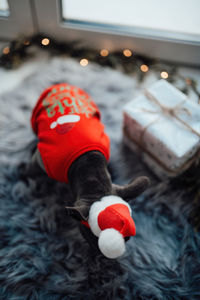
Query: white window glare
[[4, 8], [176, 16]]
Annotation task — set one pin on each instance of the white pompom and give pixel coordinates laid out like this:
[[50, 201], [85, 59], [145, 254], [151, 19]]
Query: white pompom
[[111, 243]]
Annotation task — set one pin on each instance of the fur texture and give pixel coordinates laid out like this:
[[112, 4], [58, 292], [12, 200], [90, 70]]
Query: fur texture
[[42, 254], [111, 243]]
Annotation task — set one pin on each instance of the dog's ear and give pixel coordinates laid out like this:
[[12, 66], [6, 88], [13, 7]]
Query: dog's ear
[[131, 190], [78, 212]]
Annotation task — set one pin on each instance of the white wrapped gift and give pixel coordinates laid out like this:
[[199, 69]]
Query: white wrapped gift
[[165, 126]]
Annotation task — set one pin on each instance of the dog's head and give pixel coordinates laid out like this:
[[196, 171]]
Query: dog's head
[[107, 223]]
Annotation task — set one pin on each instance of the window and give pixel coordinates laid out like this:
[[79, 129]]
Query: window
[[4, 8], [167, 29], [15, 19], [131, 24], [155, 17]]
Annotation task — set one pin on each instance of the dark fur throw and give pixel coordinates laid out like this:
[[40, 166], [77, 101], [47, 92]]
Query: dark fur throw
[[42, 253]]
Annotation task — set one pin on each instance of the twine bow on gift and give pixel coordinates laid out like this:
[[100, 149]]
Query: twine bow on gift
[[170, 112]]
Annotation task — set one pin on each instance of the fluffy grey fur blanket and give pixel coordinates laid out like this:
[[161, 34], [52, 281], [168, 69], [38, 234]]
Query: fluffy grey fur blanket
[[42, 254]]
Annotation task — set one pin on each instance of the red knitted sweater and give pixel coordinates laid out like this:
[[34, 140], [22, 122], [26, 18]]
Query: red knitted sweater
[[67, 123]]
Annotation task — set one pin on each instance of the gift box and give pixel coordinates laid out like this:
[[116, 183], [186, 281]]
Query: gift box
[[163, 126]]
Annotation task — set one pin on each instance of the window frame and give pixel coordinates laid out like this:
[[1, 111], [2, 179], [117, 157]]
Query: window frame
[[19, 21], [28, 17], [50, 22]]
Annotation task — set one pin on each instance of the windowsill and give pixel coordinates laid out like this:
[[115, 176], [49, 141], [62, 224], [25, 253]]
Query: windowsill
[[140, 32]]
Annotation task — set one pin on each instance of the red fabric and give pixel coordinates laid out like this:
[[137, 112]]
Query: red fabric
[[117, 216], [60, 144], [85, 223]]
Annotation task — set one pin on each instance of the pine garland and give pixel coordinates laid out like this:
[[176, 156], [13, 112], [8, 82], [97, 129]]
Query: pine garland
[[18, 51]]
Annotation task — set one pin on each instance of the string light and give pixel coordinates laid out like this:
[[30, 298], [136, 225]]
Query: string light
[[45, 41], [188, 81], [26, 43], [17, 52], [6, 50], [144, 68], [164, 75], [127, 52], [104, 52], [83, 62]]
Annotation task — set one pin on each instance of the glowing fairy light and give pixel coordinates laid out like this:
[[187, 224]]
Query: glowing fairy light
[[127, 53], [144, 68], [83, 62], [26, 43], [164, 75], [45, 41], [188, 81], [104, 52], [6, 50]]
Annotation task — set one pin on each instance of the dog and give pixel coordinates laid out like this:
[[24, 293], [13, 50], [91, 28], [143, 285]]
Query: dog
[[74, 148]]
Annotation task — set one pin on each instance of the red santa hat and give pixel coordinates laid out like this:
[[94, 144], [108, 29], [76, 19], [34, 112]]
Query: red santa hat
[[110, 220]]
